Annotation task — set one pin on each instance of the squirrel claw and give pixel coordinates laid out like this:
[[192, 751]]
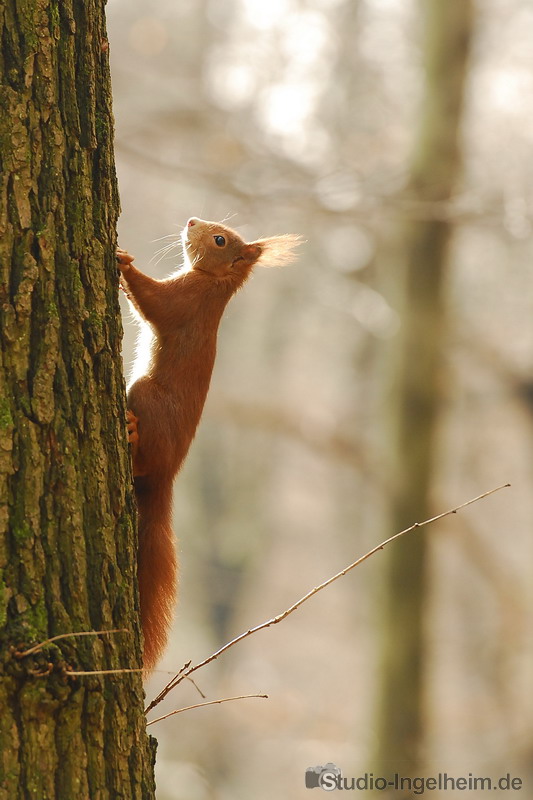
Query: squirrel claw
[[124, 259], [133, 439], [131, 427]]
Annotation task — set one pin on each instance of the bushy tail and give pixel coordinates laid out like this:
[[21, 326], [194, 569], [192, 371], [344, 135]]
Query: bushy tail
[[157, 566]]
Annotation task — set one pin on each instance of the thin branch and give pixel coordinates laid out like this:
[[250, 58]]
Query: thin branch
[[187, 669], [209, 703], [191, 680], [39, 646], [69, 673]]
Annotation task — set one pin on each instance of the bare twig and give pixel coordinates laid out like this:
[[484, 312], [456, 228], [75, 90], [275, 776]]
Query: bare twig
[[187, 669], [196, 687], [39, 646], [209, 703], [69, 672]]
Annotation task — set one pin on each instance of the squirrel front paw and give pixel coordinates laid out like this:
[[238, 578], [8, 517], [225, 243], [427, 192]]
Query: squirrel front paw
[[124, 259]]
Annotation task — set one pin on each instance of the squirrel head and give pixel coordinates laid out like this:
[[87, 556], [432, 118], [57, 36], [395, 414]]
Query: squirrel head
[[219, 251]]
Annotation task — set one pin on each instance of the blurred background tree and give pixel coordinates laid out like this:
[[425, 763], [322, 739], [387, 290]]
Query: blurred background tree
[[309, 117], [417, 263]]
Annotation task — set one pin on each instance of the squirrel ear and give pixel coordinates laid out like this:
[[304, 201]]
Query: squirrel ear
[[277, 251], [251, 252]]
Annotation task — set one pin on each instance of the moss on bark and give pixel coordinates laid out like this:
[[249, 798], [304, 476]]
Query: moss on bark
[[67, 535]]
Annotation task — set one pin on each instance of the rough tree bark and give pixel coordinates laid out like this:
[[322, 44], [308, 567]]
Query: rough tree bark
[[420, 260], [67, 534]]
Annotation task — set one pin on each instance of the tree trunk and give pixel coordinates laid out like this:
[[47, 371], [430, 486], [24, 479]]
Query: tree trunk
[[67, 534], [420, 260]]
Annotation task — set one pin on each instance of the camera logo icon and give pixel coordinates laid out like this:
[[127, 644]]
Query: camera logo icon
[[326, 777]]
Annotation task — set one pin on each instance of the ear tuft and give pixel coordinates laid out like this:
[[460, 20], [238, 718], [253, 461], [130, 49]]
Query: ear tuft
[[251, 252], [277, 251]]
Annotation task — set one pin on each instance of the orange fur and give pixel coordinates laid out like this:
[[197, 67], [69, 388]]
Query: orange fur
[[167, 400]]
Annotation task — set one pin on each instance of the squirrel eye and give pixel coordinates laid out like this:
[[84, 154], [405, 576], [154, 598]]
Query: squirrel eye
[[219, 241]]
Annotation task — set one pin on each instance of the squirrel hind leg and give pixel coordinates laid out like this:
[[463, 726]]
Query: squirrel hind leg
[[133, 439], [131, 427]]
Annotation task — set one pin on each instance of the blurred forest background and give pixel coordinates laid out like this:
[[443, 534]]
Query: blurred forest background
[[385, 377]]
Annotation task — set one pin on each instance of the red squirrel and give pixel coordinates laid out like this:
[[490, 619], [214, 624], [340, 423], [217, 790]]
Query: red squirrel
[[165, 403]]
